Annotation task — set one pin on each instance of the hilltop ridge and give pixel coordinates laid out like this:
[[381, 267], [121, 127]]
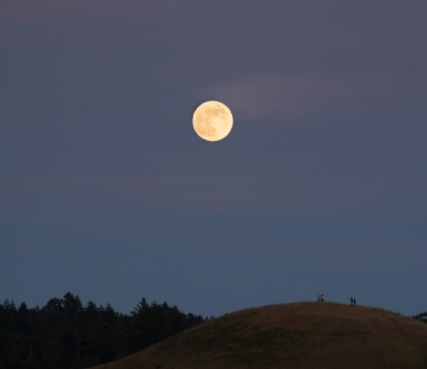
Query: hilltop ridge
[[294, 335]]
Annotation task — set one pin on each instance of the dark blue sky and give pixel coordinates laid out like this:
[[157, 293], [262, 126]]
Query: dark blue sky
[[107, 192]]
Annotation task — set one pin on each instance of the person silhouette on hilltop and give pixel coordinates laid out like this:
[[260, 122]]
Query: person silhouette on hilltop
[[352, 301]]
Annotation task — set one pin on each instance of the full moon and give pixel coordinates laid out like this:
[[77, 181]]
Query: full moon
[[212, 121]]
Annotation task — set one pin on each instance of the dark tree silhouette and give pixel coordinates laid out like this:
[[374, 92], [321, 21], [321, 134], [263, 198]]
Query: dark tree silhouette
[[64, 334], [421, 316]]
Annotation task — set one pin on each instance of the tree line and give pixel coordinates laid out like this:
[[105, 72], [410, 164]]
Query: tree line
[[64, 334], [421, 316]]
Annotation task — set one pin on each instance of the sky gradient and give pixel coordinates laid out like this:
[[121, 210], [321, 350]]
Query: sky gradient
[[107, 192]]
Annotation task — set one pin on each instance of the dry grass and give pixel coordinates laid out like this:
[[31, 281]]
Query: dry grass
[[297, 336]]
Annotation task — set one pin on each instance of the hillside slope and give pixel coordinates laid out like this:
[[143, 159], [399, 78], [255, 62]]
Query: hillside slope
[[297, 335]]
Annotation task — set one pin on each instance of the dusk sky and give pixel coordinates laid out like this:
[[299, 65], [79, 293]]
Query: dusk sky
[[107, 192]]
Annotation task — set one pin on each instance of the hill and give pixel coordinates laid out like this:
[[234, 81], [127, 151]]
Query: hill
[[297, 335]]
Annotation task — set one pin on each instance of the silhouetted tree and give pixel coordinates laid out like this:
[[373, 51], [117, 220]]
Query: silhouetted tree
[[421, 316], [65, 334]]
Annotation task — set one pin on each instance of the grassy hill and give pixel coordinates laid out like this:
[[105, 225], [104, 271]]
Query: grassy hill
[[298, 335]]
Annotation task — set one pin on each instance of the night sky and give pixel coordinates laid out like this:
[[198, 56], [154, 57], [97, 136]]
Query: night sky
[[107, 192]]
